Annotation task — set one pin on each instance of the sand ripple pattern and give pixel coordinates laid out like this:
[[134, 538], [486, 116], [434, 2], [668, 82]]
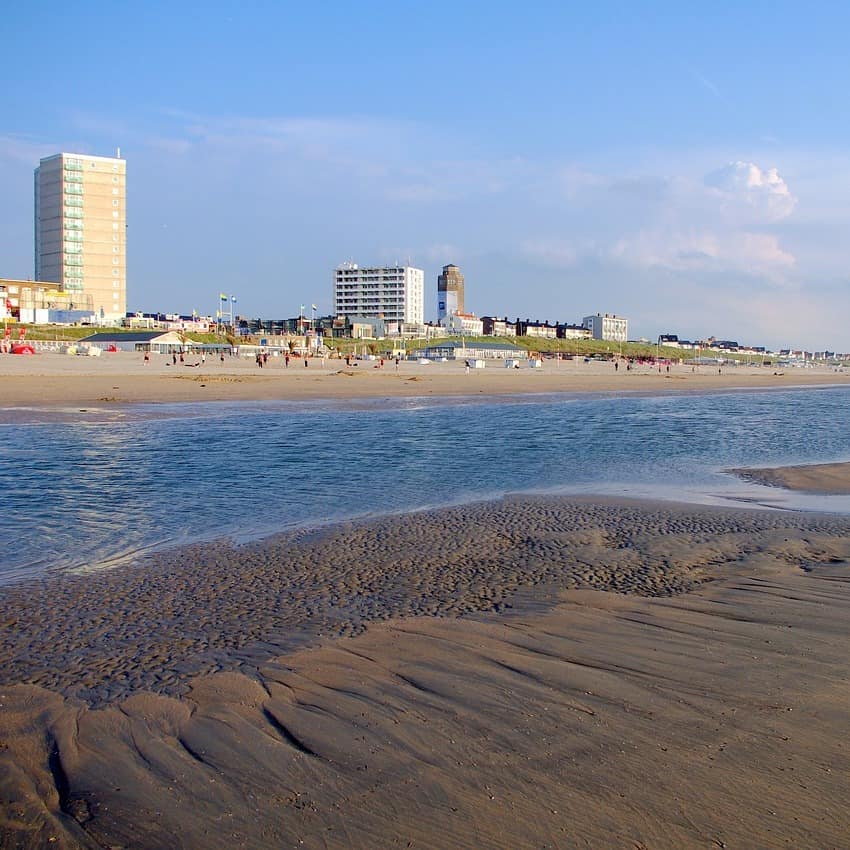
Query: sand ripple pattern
[[215, 607]]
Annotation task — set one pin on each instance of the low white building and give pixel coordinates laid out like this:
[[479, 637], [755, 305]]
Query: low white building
[[607, 327], [465, 324]]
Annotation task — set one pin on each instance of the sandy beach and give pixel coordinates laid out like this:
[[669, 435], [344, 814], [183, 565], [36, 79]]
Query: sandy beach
[[527, 672], [123, 377], [532, 672]]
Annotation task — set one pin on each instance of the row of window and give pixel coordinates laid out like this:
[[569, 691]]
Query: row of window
[[72, 164]]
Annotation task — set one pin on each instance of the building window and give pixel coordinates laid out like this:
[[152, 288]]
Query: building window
[[115, 261], [114, 225], [115, 272], [115, 203], [114, 215]]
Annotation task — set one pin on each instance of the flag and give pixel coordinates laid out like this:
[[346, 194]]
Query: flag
[[302, 308], [233, 298], [314, 306], [222, 296]]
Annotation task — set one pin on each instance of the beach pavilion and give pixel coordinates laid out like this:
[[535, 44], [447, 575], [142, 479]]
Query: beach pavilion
[[473, 351], [156, 342]]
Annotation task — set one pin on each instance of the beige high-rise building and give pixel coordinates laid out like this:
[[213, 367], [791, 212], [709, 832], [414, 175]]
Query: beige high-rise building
[[80, 229]]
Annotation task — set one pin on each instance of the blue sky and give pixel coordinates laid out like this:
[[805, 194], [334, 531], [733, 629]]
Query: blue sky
[[685, 166]]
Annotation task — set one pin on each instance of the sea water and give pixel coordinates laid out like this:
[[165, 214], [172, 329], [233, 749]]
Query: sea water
[[85, 488]]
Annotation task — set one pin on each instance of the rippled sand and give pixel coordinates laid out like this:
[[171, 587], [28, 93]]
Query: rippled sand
[[523, 673]]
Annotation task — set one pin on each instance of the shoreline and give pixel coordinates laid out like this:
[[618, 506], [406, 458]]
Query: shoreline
[[507, 672]]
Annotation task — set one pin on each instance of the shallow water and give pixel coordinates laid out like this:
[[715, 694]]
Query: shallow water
[[90, 487]]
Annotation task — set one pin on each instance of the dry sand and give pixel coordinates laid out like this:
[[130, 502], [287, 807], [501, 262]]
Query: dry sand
[[533, 672], [122, 377]]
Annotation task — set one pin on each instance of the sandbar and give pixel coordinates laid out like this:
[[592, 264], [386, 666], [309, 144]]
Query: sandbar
[[825, 478]]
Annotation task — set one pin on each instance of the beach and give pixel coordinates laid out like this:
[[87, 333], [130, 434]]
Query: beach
[[528, 671], [52, 379]]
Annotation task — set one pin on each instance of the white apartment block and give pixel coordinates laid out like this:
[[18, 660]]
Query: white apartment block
[[611, 328], [80, 229], [393, 293]]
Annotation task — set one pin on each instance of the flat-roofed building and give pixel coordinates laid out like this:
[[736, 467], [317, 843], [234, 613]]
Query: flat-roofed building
[[39, 302], [466, 324], [392, 293], [611, 328], [80, 229]]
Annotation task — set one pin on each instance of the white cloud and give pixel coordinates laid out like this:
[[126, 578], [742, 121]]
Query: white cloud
[[757, 254], [744, 184]]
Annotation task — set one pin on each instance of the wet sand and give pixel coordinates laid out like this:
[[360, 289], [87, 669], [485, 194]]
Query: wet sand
[[826, 478], [52, 379], [531, 672]]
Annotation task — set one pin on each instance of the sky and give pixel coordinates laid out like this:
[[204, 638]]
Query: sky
[[683, 165]]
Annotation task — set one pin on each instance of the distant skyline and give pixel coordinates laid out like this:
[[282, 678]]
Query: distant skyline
[[685, 167]]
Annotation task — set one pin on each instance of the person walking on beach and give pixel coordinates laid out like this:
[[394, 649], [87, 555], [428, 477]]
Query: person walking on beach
[[286, 361]]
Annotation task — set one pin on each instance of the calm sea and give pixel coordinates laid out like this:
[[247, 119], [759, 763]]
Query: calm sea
[[101, 486]]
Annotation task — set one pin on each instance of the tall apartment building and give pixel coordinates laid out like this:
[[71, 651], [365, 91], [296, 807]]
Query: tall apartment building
[[614, 328], [80, 229], [449, 292], [394, 293]]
